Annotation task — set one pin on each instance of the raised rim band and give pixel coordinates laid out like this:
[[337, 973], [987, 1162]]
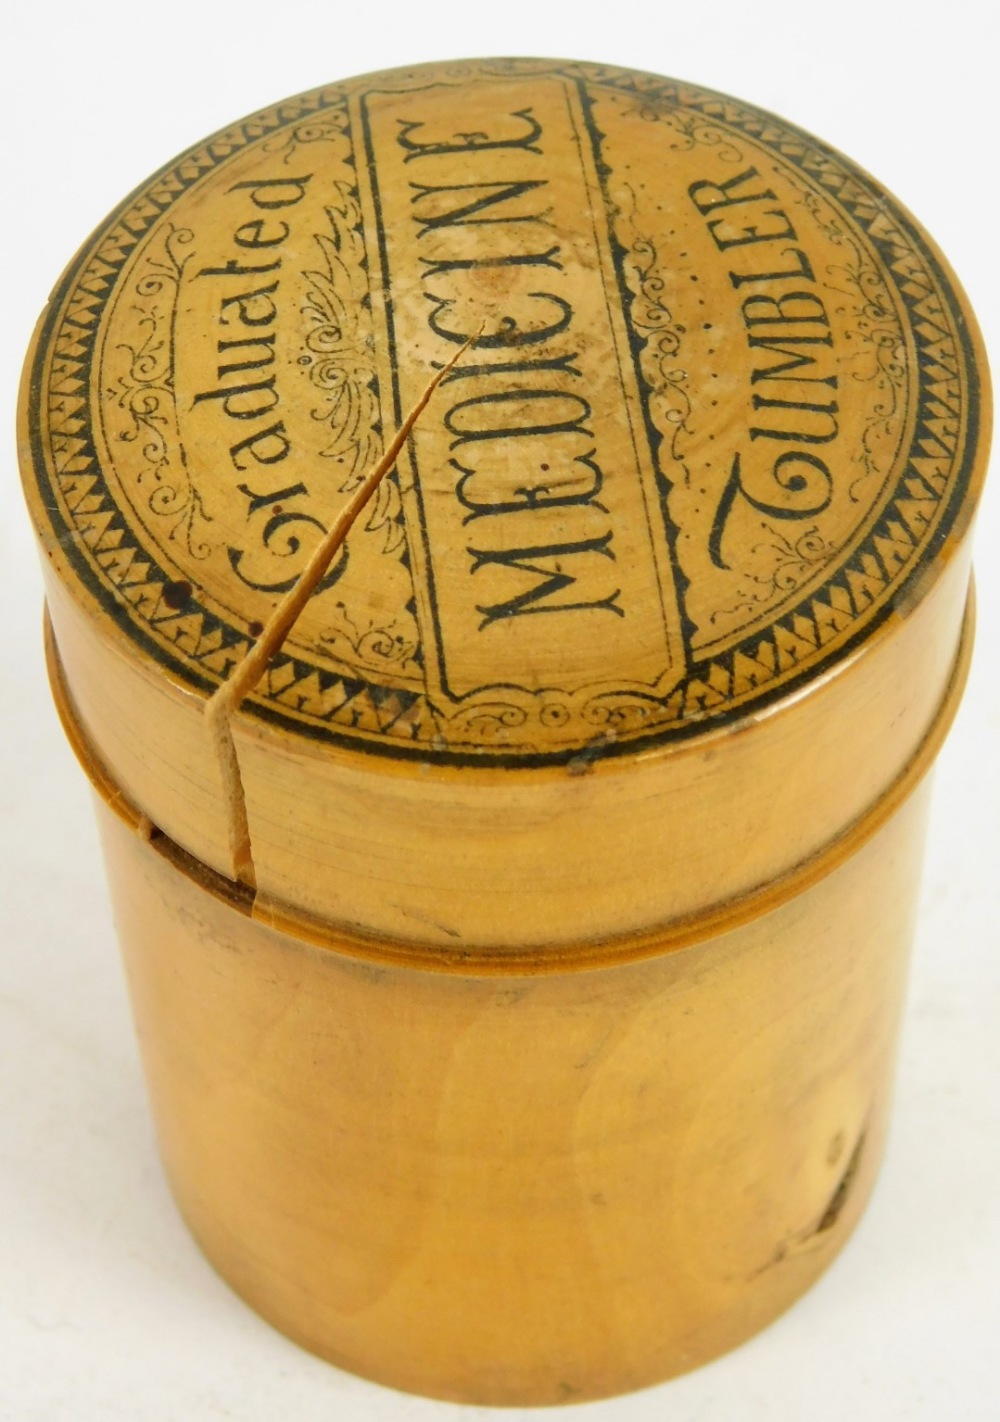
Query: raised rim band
[[683, 932]]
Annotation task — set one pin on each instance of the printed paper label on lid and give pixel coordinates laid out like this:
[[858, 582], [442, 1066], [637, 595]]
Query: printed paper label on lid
[[719, 412]]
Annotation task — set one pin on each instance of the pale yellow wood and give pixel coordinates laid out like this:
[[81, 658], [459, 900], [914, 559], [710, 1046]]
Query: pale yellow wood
[[532, 1038], [485, 858], [695, 334], [522, 1190]]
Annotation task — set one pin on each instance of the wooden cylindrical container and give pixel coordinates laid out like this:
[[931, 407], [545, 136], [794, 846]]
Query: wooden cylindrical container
[[518, 991]]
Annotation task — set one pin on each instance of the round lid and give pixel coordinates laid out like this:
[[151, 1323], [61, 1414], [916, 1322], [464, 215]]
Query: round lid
[[717, 434]]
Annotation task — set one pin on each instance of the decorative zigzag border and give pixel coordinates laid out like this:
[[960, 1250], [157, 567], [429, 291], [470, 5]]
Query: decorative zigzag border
[[928, 492], [396, 722]]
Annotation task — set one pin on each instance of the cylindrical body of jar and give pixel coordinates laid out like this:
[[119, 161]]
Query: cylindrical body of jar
[[517, 1187], [518, 962]]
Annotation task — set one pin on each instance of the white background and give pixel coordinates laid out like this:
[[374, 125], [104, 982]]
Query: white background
[[107, 1310]]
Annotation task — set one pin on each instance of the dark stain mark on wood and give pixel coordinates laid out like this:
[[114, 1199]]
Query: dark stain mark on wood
[[838, 1199]]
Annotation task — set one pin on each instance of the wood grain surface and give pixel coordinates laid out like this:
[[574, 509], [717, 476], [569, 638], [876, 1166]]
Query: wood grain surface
[[547, 1050]]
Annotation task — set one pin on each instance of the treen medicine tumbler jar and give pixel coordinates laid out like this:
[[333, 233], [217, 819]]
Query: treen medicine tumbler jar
[[518, 993]]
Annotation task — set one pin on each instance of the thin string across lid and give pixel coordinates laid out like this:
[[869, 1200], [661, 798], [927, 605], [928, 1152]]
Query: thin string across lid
[[225, 701]]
